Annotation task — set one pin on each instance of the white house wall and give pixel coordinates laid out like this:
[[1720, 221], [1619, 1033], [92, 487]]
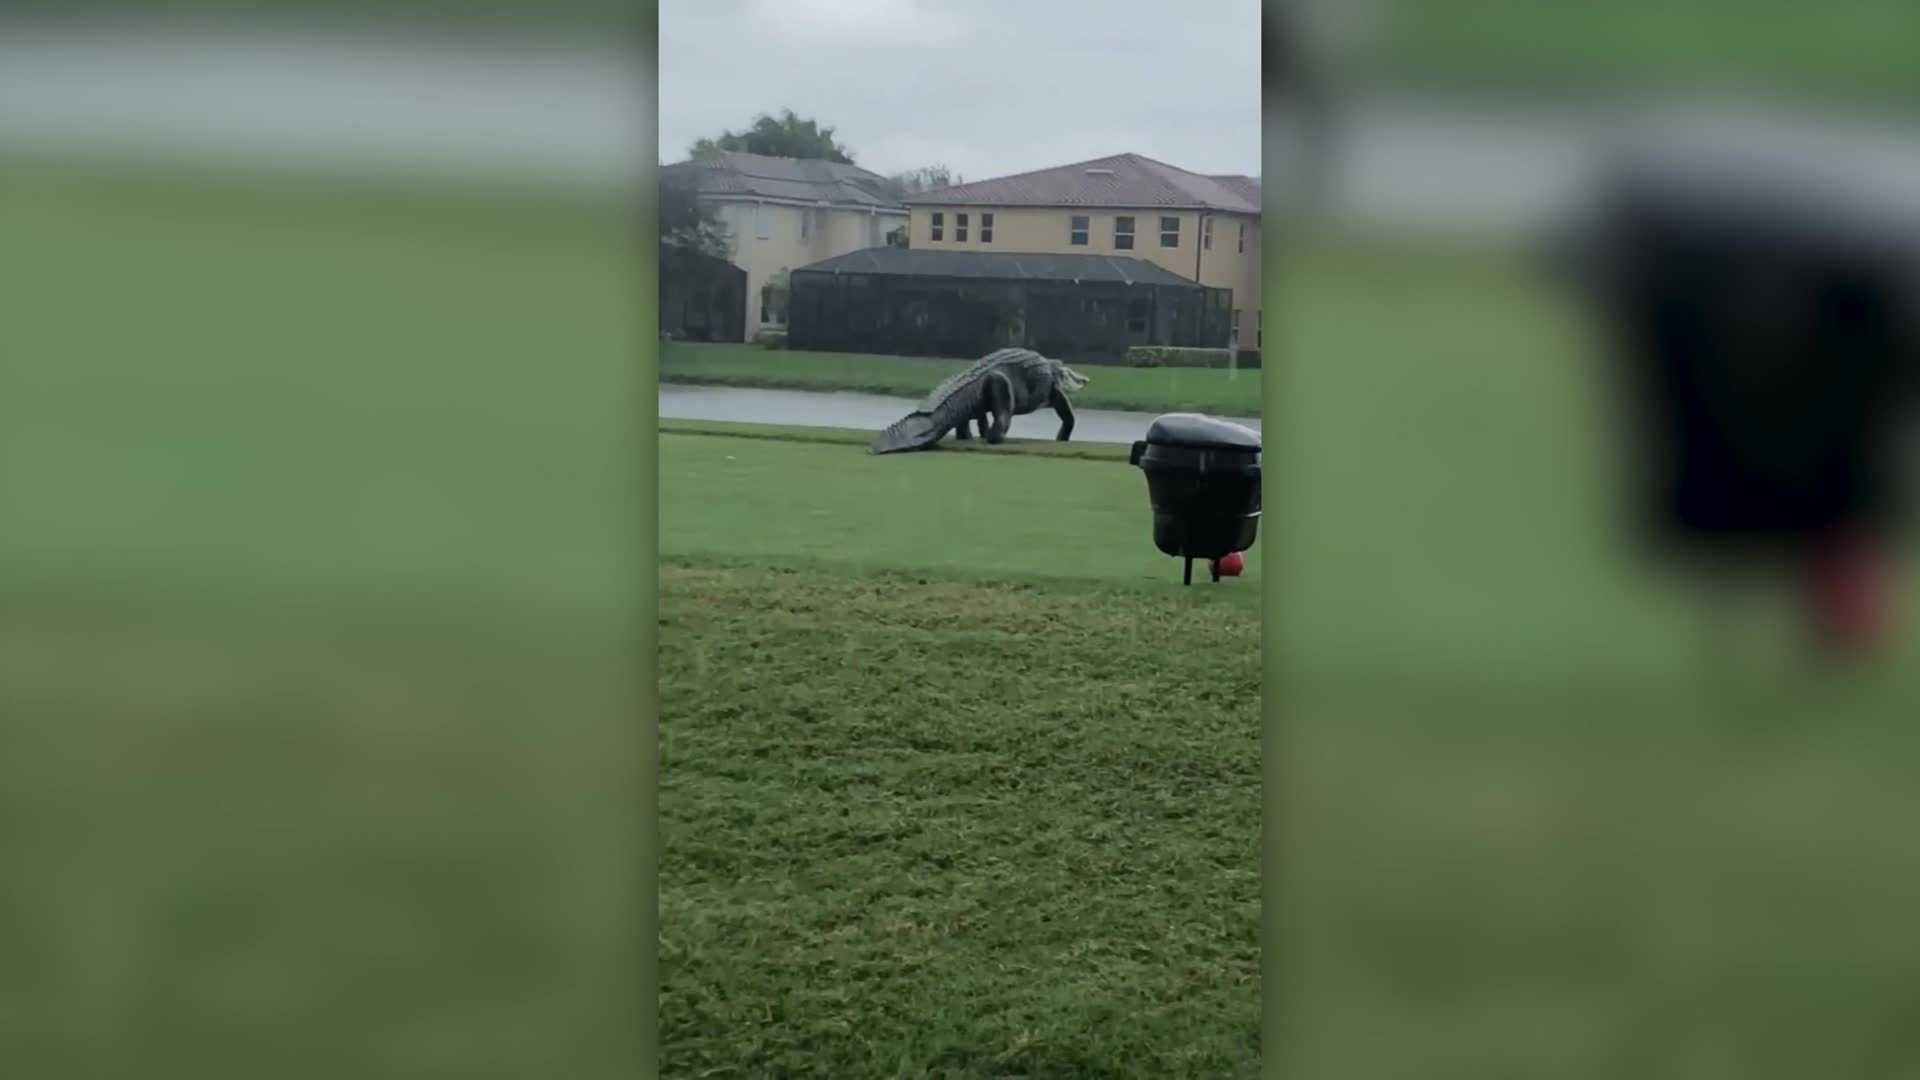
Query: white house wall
[[833, 231]]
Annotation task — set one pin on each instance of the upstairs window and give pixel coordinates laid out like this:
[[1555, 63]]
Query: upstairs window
[[1077, 231], [1259, 327], [1123, 234], [1169, 232], [806, 223], [939, 222], [1206, 235], [1243, 237], [986, 228], [959, 228]]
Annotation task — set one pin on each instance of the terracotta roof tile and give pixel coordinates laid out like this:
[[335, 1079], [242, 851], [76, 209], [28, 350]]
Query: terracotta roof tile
[[733, 173], [1123, 180]]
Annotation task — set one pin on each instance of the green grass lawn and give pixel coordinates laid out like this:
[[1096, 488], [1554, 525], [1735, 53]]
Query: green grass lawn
[[1527, 834], [1227, 393], [945, 738]]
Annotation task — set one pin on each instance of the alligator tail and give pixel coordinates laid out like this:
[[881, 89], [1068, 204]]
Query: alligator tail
[[912, 432]]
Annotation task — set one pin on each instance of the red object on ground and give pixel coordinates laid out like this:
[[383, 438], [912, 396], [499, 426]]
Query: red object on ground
[[1850, 594], [1232, 565]]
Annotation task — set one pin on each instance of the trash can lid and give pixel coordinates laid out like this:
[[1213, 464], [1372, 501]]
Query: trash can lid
[[1201, 432]]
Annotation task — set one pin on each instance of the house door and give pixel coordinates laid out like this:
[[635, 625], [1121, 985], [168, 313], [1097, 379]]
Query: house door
[[1140, 320]]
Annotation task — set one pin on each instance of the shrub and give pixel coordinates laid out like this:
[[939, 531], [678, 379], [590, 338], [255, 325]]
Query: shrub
[[1153, 356]]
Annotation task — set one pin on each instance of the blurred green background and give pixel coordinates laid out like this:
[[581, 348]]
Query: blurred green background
[[1532, 819], [1531, 824], [324, 552]]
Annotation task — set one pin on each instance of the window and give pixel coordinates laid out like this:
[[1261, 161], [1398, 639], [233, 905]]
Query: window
[[762, 222], [959, 228], [1206, 234], [1243, 236], [939, 223], [773, 306], [1233, 329], [806, 224], [1138, 312], [986, 228], [1077, 233], [1259, 328], [1123, 234], [1169, 232]]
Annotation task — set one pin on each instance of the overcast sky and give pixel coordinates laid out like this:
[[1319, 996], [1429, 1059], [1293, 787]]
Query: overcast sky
[[986, 87]]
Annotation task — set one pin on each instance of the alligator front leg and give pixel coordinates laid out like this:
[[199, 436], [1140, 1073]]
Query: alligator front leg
[[1064, 409], [1000, 403]]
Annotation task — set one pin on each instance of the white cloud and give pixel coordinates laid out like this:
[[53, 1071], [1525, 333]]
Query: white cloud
[[986, 87], [846, 21]]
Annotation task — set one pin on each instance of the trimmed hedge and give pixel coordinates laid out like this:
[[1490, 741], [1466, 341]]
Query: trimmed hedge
[[1173, 356]]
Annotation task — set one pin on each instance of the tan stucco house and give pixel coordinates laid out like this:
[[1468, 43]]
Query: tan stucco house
[[1204, 228], [783, 213]]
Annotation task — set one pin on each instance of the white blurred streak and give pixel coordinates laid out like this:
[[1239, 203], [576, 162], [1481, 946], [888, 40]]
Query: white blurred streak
[[337, 100], [1505, 167]]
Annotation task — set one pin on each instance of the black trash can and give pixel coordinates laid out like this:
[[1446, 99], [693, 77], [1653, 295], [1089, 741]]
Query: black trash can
[[1203, 479]]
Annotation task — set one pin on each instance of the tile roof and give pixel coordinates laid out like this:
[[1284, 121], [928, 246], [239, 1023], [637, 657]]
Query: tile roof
[[1247, 187], [912, 262], [1123, 180], [734, 173]]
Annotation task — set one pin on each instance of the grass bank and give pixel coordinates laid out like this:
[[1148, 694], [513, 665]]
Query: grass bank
[[1228, 393], [1064, 512], [1115, 452]]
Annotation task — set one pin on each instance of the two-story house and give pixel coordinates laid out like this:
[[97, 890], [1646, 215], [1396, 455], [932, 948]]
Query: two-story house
[[782, 213], [1203, 228]]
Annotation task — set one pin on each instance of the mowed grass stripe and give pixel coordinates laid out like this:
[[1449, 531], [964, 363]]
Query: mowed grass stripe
[[956, 513], [955, 825]]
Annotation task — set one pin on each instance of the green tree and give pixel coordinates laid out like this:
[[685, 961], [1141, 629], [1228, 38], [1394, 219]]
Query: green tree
[[924, 178], [689, 225], [784, 136]]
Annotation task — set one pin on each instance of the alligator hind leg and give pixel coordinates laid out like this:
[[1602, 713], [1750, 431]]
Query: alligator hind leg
[[1000, 403], [963, 430]]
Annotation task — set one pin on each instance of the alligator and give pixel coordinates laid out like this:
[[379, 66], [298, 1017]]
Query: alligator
[[997, 388]]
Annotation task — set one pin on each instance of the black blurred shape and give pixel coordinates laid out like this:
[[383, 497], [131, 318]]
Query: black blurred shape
[[1766, 324]]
